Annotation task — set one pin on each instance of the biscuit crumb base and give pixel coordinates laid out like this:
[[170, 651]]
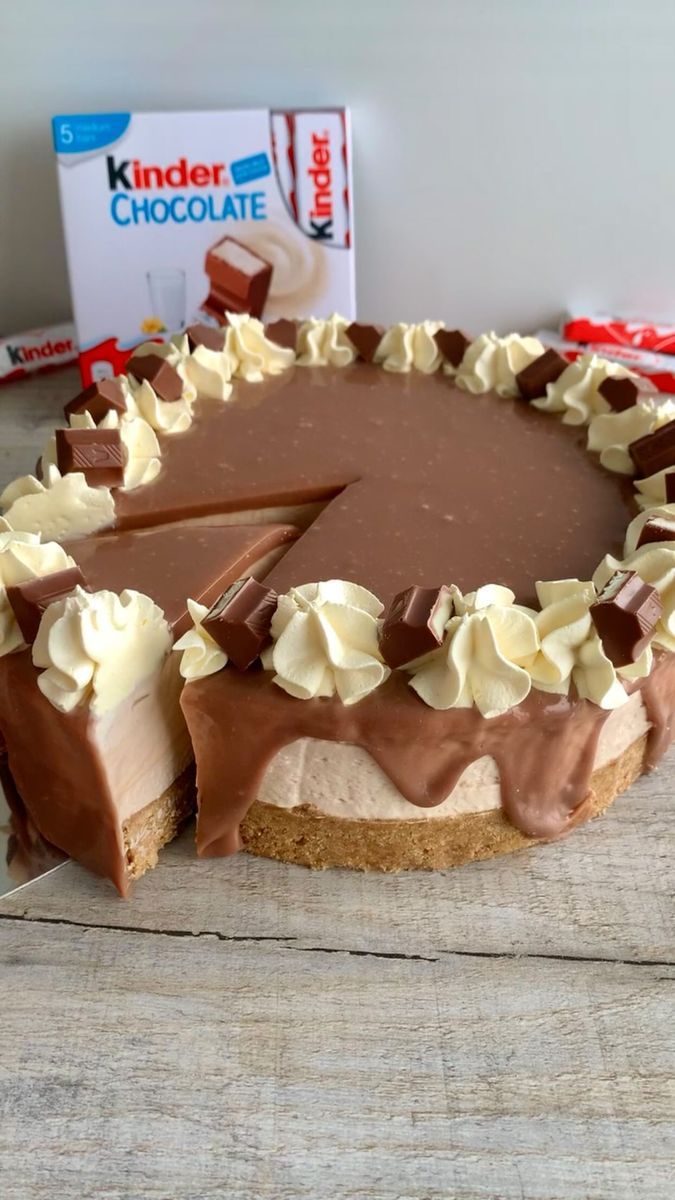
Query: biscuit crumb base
[[307, 837]]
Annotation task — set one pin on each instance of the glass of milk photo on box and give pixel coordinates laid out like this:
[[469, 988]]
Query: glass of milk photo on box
[[176, 218]]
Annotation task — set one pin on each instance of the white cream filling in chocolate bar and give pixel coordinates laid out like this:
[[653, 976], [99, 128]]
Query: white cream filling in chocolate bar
[[238, 256], [344, 781]]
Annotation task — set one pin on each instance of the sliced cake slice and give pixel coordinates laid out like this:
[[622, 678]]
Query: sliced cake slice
[[120, 772]]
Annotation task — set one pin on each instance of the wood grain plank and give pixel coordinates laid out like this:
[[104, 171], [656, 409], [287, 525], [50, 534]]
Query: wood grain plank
[[152, 1065]]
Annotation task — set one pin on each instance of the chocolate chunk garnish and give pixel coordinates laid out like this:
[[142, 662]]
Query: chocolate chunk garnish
[[30, 599], [656, 529], [452, 345], [655, 451], [240, 620], [534, 378], [205, 335], [162, 377], [414, 624], [365, 339], [283, 333], [670, 487], [98, 399], [625, 615], [97, 453], [620, 394]]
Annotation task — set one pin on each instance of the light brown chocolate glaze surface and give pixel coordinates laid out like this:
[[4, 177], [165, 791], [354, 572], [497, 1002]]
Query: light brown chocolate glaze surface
[[544, 749], [173, 563], [445, 486], [52, 756]]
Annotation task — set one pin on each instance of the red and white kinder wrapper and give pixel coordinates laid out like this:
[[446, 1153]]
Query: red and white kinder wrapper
[[322, 183], [617, 331], [658, 370], [37, 350], [283, 147]]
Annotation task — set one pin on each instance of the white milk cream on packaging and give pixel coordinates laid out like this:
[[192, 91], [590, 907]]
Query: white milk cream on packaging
[[176, 218]]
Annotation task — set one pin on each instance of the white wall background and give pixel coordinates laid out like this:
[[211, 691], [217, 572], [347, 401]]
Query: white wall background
[[510, 157]]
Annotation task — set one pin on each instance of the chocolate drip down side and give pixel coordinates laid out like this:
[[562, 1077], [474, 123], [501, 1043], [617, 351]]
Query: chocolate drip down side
[[658, 694], [544, 749], [54, 750]]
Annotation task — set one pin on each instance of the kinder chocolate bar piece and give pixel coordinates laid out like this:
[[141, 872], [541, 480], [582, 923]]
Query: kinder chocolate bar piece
[[414, 624], [657, 370], [207, 336], [162, 377], [656, 529], [365, 339], [625, 615], [620, 394], [97, 453], [534, 379], [37, 350], [240, 620], [283, 333], [638, 333], [98, 399], [452, 344], [655, 451], [29, 600], [239, 279]]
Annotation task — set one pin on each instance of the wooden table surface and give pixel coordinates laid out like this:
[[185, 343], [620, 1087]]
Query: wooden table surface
[[244, 1029]]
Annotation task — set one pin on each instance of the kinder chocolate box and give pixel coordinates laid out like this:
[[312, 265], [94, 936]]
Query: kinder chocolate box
[[172, 218], [37, 350]]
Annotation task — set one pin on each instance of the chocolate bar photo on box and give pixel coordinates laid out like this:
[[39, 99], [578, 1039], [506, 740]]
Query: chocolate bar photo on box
[[239, 279]]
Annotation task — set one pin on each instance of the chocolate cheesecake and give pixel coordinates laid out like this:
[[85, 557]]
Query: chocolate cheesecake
[[412, 628]]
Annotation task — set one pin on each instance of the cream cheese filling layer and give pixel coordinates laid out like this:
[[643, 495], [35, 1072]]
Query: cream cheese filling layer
[[143, 744], [342, 780]]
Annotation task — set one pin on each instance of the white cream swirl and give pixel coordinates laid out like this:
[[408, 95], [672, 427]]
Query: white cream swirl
[[211, 372], [325, 641], [597, 680], [610, 434], [61, 507], [96, 646], [484, 657], [252, 352], [652, 491], [201, 656], [323, 343], [491, 363], [165, 416], [563, 625], [571, 650], [576, 392], [23, 557], [410, 347]]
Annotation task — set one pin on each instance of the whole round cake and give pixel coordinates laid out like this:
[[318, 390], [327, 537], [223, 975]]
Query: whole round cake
[[420, 587]]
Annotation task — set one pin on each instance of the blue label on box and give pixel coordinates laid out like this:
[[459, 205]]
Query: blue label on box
[[245, 170], [80, 134]]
